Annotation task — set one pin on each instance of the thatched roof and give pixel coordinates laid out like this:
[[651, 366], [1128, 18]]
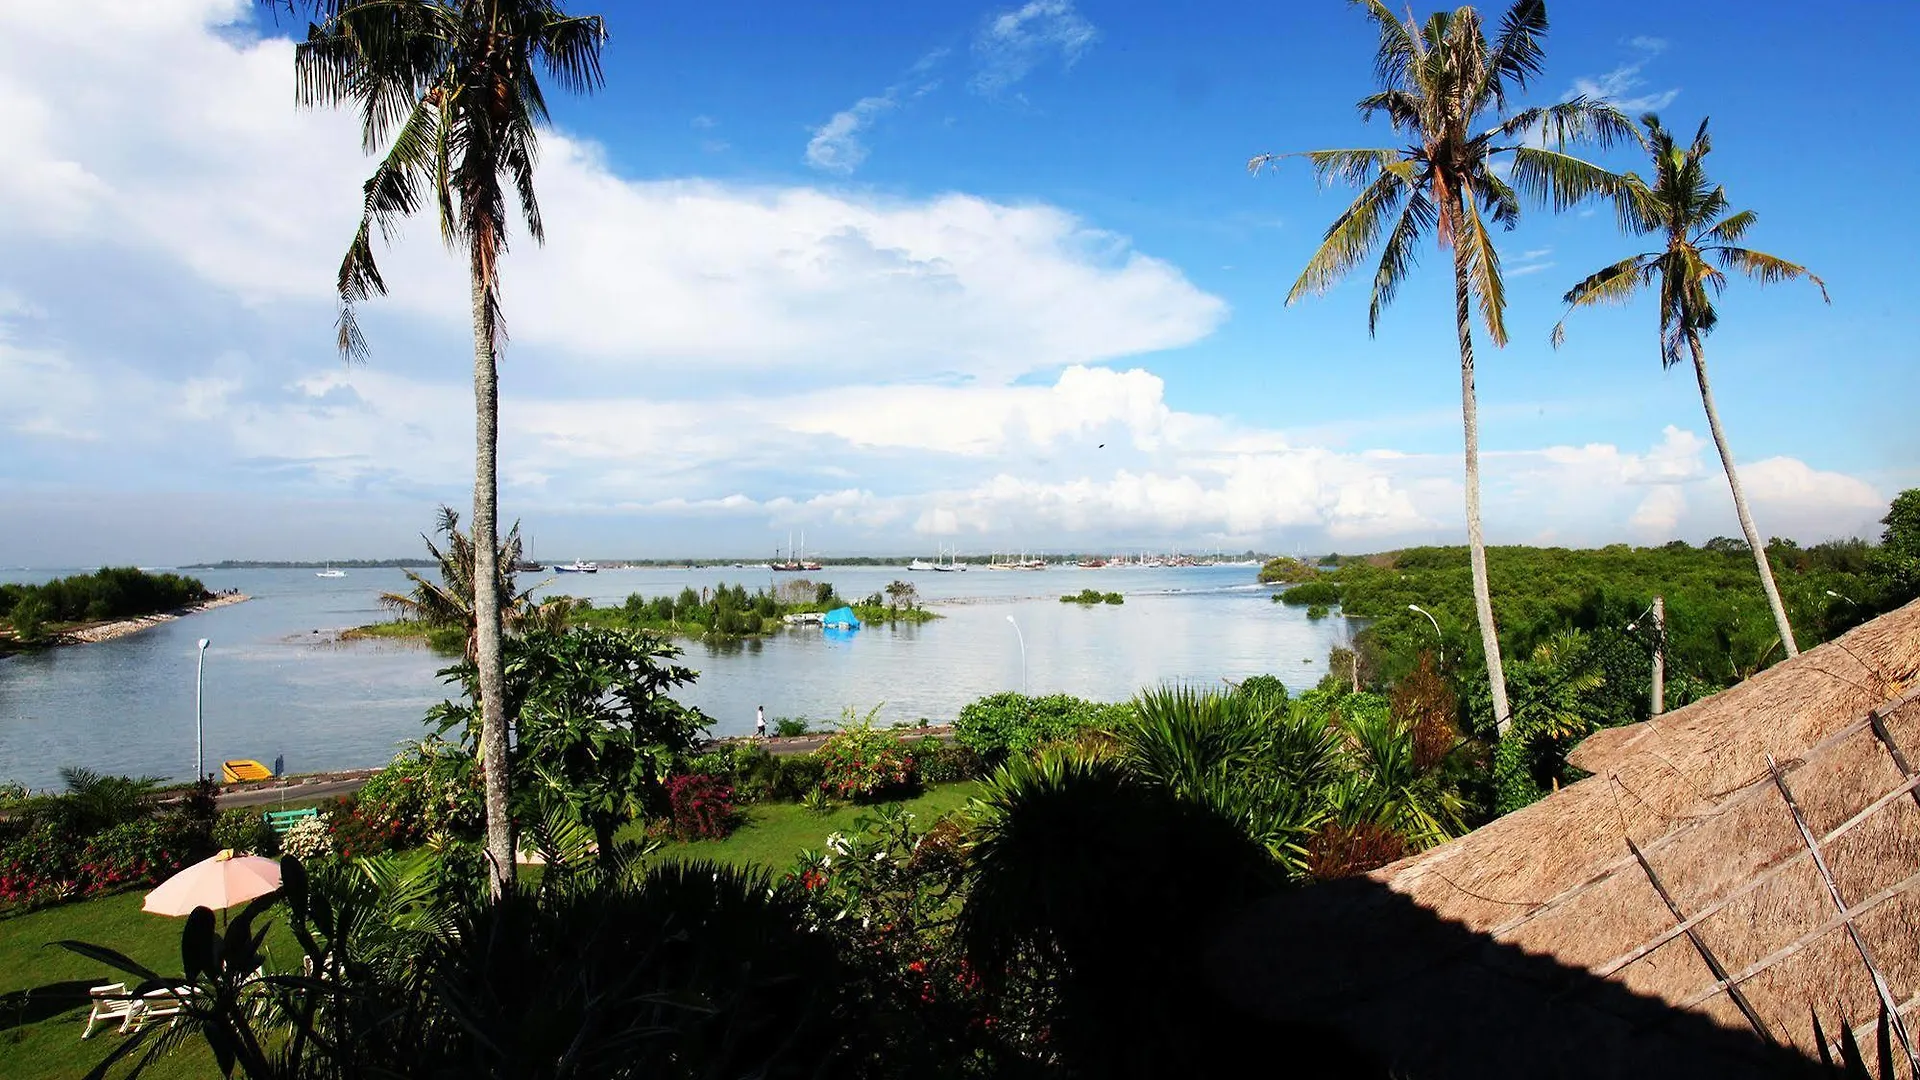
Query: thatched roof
[[1555, 894]]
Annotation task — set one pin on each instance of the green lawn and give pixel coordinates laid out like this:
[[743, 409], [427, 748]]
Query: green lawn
[[40, 1040], [776, 833]]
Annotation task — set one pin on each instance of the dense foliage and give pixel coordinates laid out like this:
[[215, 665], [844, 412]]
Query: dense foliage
[[701, 807], [114, 592], [1317, 593], [1093, 596], [1010, 724], [595, 728], [866, 763], [1283, 570], [1718, 628], [101, 834]]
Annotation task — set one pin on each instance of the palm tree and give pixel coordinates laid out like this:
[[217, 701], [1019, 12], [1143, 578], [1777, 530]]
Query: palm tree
[[449, 601], [1438, 85], [455, 84], [1692, 213]]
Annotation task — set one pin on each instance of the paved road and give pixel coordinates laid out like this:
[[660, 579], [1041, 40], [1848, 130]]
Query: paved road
[[293, 792]]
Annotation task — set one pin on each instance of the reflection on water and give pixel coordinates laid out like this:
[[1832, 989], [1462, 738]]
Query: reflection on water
[[277, 681]]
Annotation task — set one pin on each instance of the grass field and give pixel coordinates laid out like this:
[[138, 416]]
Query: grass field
[[40, 1039]]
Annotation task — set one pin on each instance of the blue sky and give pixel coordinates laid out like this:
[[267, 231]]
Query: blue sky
[[991, 275]]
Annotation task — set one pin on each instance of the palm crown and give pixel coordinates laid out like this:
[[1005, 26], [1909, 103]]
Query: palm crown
[[454, 84], [1438, 83], [1691, 212]]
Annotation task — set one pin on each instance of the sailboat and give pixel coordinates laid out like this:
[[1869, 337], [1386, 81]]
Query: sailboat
[[330, 572], [792, 564]]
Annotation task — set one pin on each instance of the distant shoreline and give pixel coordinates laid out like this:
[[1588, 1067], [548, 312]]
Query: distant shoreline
[[107, 631], [344, 564]]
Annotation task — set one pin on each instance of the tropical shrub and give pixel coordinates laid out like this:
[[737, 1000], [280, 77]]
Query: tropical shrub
[[1093, 596], [863, 763], [140, 853], [702, 806], [244, 830], [1005, 724], [431, 788], [787, 727], [1316, 593], [311, 838], [818, 802], [39, 867], [796, 775], [355, 833], [944, 763], [1286, 571]]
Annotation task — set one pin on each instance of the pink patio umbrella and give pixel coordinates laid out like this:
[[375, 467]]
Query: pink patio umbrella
[[220, 882]]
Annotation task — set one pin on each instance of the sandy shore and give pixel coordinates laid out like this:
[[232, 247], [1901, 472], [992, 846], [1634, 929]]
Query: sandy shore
[[123, 627]]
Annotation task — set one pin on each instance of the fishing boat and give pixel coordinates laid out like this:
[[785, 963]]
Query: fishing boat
[[330, 572], [578, 566]]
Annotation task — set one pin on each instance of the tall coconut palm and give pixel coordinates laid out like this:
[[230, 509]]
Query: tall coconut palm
[[1444, 87], [452, 89], [1692, 214]]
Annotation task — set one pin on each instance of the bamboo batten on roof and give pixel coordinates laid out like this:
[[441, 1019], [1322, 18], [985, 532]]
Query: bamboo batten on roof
[[1749, 934]]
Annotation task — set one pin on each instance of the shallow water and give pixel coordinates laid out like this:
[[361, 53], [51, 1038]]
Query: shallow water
[[274, 684]]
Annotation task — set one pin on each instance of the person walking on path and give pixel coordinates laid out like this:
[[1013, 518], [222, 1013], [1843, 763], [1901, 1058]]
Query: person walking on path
[[760, 721]]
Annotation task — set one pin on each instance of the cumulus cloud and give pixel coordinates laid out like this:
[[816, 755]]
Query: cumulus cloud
[[1012, 43]]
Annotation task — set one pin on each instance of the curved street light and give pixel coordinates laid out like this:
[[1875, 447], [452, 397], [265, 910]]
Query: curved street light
[[1848, 599], [1023, 653], [199, 667], [1440, 637]]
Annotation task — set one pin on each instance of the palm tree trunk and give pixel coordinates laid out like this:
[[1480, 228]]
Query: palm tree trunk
[[1740, 500], [486, 590], [1476, 546]]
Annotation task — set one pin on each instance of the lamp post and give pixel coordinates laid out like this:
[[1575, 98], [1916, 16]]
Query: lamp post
[[1438, 636], [1848, 599], [1023, 653], [199, 667]]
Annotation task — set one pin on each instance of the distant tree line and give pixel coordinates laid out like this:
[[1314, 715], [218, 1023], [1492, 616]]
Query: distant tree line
[[114, 592]]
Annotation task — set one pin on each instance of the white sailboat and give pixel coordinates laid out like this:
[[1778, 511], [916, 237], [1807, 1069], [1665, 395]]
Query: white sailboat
[[330, 572]]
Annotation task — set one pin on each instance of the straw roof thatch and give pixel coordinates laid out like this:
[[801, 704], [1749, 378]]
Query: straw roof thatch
[[1550, 908]]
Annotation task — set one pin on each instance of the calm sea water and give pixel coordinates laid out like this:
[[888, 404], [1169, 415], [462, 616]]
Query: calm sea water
[[275, 685]]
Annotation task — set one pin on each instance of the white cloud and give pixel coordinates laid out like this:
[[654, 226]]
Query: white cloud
[[1625, 85], [836, 145], [1012, 43]]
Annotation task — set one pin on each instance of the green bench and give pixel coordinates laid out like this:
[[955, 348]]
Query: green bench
[[282, 820]]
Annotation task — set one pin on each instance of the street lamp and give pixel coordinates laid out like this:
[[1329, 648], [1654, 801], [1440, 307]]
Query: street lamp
[[1023, 653], [1438, 636], [1848, 599], [200, 666]]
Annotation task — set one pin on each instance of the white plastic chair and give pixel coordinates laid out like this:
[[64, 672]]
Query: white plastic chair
[[110, 1004], [165, 1003]]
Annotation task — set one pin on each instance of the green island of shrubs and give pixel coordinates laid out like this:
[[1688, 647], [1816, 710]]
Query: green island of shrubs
[[34, 614], [1093, 596]]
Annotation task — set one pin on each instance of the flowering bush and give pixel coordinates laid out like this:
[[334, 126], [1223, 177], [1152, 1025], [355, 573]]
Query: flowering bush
[[431, 788], [703, 806], [46, 865], [941, 763], [860, 762], [310, 838], [356, 832]]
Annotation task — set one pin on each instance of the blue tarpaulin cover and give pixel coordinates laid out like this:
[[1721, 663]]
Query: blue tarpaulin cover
[[841, 616]]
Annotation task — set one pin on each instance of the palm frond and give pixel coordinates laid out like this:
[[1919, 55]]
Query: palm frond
[[1559, 180], [1576, 120], [571, 49], [1764, 268], [1518, 51], [1351, 236], [1399, 47], [1483, 267], [1402, 108], [1399, 254], [1614, 284], [1729, 230]]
